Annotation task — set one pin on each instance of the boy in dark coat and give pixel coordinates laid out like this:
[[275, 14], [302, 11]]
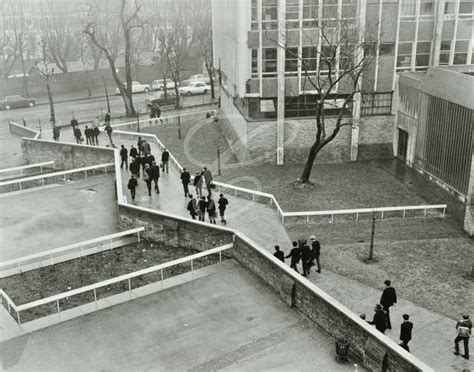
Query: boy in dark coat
[[379, 319], [279, 254], [305, 257], [133, 152], [389, 297], [202, 206], [155, 172], [124, 157], [185, 180], [77, 134], [135, 168], [223, 202], [405, 332], [211, 210], [315, 253], [165, 158], [132, 185], [295, 255], [88, 134], [192, 207]]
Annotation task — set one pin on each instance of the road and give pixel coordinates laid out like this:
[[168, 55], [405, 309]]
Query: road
[[83, 109]]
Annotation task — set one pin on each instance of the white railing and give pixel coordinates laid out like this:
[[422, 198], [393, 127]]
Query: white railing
[[64, 174], [121, 198], [127, 277], [29, 166], [36, 134], [357, 212], [68, 252]]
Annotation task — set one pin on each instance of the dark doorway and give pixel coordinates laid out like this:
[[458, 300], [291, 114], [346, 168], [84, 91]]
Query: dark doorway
[[402, 144]]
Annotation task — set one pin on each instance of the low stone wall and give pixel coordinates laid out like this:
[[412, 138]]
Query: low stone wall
[[373, 350], [65, 155], [21, 131]]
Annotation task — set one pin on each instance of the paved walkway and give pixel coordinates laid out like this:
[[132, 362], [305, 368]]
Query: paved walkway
[[433, 334]]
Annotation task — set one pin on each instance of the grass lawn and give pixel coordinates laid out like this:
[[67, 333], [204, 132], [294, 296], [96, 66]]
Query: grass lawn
[[433, 273], [62, 277]]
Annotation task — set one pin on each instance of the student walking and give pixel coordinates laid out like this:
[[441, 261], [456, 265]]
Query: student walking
[[155, 172], [211, 210], [124, 157], [107, 118], [405, 332], [223, 203], [295, 255], [56, 133], [78, 134], [95, 134], [135, 168], [388, 299], [109, 130], [139, 145], [192, 207], [165, 158], [464, 329], [132, 185], [207, 175], [145, 147], [185, 180], [198, 183], [133, 152], [379, 319], [315, 253], [279, 254], [202, 206], [147, 177], [88, 135]]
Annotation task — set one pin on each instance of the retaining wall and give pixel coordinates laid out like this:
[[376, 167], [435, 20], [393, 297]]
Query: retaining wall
[[65, 156]]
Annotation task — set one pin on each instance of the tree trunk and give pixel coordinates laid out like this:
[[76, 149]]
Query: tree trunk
[[127, 97], [88, 84], [308, 167], [372, 233], [51, 103], [211, 78]]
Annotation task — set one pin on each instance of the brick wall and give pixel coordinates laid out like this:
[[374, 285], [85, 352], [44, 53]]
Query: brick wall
[[367, 345], [375, 137], [65, 156]]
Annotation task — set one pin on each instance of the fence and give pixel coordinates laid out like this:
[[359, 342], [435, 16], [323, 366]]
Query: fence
[[68, 252], [43, 180], [123, 278], [21, 169], [22, 131]]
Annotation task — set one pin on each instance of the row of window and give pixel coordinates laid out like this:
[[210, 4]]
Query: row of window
[[427, 8]]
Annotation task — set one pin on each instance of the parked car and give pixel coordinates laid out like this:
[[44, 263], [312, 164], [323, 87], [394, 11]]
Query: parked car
[[137, 87], [194, 87], [160, 98], [11, 102], [160, 83], [199, 77]]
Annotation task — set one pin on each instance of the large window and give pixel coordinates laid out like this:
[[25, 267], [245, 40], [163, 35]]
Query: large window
[[427, 8], [254, 15], [269, 63], [444, 52], [376, 104], [269, 14], [310, 13], [466, 8], [292, 13], [327, 59], [349, 9], [460, 52], [291, 62], [254, 63], [423, 50], [306, 105], [404, 56], [309, 56], [408, 8], [330, 9]]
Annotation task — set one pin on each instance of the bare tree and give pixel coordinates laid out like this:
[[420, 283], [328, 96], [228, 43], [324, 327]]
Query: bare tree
[[338, 57], [204, 30], [95, 53], [45, 71], [84, 54], [101, 37]]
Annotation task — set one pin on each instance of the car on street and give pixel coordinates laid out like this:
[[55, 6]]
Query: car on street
[[198, 77], [137, 87], [11, 102], [159, 98], [194, 87], [160, 83]]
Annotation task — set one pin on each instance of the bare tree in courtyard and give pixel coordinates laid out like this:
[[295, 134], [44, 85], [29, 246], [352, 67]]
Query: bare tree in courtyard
[[332, 69], [204, 30], [102, 36], [45, 71]]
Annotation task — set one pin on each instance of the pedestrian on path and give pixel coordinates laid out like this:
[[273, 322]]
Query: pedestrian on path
[[147, 177], [165, 158], [95, 134], [56, 133], [148, 159], [279, 254], [379, 319], [135, 168], [185, 180], [295, 255], [211, 210], [198, 183], [74, 123], [388, 299], [133, 152], [108, 129], [124, 157], [223, 203], [305, 256], [132, 185], [139, 145], [192, 207], [146, 148], [78, 135], [107, 118], [405, 332], [464, 329], [202, 206], [88, 135], [207, 175], [315, 253], [155, 172]]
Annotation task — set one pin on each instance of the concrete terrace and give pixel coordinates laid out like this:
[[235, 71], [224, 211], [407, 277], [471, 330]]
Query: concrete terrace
[[228, 320]]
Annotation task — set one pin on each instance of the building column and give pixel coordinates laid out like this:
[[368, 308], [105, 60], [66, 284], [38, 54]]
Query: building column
[[355, 127], [438, 30], [281, 52]]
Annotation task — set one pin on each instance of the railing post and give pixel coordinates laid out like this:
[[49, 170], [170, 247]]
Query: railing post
[[18, 317], [57, 302], [42, 181], [161, 273], [382, 215], [307, 218], [220, 256], [19, 183], [332, 217], [424, 212], [357, 216], [85, 174], [129, 284], [41, 169], [21, 172], [95, 297], [444, 211], [105, 168], [192, 266], [138, 235]]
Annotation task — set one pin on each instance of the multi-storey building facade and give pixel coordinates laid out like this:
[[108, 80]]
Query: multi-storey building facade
[[267, 82]]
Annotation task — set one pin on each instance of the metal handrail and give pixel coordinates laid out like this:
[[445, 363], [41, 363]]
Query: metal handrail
[[55, 174], [36, 165], [94, 287], [69, 247]]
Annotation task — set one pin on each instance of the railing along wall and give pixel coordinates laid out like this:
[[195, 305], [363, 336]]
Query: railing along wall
[[20, 130], [45, 164], [68, 252]]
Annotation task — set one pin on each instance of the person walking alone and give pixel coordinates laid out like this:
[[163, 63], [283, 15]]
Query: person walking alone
[[295, 255], [464, 329], [155, 172], [279, 254], [108, 129], [132, 185], [185, 180], [165, 158], [56, 133], [207, 175], [198, 184], [405, 332], [388, 299], [147, 177], [223, 203], [315, 253], [124, 157]]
